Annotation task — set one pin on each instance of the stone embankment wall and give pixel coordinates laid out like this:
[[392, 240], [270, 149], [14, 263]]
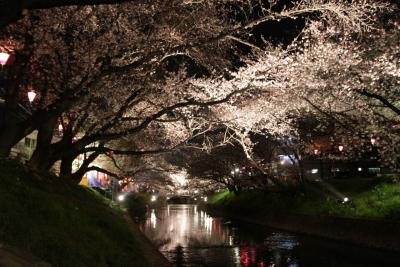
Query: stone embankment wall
[[379, 234]]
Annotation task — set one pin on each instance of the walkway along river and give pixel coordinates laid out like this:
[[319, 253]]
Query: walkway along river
[[190, 237]]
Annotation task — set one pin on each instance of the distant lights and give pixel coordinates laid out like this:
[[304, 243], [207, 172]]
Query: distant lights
[[345, 199], [60, 128], [121, 198], [153, 198], [340, 148], [359, 169]]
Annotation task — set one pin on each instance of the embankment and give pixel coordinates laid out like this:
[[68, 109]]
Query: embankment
[[380, 234]]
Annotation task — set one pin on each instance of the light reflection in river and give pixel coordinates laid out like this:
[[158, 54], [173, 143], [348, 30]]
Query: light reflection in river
[[189, 237]]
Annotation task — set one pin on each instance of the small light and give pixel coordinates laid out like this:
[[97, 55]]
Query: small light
[[153, 198], [237, 170], [316, 151], [341, 148], [196, 191], [232, 172], [4, 58], [31, 95], [346, 199], [121, 198], [205, 199], [314, 171], [373, 141], [195, 198], [359, 169], [282, 162], [60, 128], [249, 173]]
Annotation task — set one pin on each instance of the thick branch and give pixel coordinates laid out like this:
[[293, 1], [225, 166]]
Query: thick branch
[[382, 99]]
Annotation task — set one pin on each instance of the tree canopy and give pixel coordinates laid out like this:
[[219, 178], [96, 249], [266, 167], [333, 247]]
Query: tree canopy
[[142, 77]]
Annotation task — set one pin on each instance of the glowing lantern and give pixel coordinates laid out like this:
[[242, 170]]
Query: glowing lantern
[[341, 148], [31, 95], [4, 58]]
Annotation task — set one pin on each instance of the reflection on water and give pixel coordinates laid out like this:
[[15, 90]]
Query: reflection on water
[[190, 237]]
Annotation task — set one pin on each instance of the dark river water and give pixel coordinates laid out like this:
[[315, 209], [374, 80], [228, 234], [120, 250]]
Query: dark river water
[[188, 236]]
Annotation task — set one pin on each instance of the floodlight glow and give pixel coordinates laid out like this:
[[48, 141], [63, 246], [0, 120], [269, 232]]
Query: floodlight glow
[[121, 198], [346, 199]]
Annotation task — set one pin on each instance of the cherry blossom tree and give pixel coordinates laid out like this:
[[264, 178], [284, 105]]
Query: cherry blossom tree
[[347, 76], [99, 71]]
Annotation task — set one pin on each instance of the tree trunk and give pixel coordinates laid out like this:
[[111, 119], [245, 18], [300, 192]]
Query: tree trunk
[[7, 140], [66, 166], [43, 157]]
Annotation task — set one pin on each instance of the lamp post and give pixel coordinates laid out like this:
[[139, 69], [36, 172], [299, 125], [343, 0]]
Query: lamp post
[[31, 95], [373, 141], [4, 58], [321, 164]]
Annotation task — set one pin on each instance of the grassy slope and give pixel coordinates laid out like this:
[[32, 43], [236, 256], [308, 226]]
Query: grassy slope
[[65, 225], [372, 198]]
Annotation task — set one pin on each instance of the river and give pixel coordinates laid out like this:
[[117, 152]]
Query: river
[[189, 237]]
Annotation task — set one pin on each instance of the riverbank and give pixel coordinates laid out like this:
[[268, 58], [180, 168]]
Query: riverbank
[[373, 223], [63, 224]]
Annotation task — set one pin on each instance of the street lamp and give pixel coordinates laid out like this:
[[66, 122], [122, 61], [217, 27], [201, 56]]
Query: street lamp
[[321, 163], [31, 95], [373, 140], [4, 58]]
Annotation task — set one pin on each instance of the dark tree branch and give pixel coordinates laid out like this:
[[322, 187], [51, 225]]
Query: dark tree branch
[[382, 99]]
